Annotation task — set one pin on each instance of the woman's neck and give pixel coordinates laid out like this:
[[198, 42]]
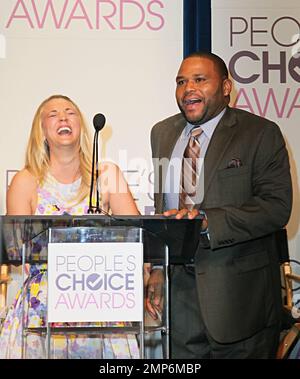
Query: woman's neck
[[65, 167]]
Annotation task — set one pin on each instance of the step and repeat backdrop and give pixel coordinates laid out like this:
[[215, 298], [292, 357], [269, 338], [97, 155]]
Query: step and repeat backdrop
[[116, 57], [260, 42]]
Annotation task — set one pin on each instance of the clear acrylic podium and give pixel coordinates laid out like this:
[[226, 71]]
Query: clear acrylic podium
[[164, 241]]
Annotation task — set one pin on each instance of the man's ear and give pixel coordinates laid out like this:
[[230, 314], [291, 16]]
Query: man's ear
[[227, 87]]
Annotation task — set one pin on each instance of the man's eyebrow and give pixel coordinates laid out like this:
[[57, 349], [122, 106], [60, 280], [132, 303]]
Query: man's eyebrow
[[180, 77]]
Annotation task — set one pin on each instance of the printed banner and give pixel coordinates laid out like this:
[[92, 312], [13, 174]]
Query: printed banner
[[260, 42], [91, 282]]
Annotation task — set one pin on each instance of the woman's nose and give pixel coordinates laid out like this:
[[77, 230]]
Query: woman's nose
[[62, 115]]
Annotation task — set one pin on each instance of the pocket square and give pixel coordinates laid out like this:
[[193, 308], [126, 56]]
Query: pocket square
[[234, 163]]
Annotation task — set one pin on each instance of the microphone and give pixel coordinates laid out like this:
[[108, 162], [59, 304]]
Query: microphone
[[99, 123]]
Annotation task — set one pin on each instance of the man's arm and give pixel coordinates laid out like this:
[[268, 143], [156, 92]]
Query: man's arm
[[269, 207]]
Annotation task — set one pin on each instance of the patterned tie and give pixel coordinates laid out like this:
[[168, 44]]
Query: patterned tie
[[189, 175]]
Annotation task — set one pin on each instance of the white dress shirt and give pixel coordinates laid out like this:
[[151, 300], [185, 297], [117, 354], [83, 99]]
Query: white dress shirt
[[171, 193]]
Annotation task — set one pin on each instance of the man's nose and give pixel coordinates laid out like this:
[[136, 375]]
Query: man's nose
[[190, 86]]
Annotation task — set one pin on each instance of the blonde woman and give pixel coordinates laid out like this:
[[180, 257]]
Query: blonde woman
[[55, 181]]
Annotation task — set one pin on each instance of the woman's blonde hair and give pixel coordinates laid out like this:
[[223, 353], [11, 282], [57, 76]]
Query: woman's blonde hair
[[38, 155]]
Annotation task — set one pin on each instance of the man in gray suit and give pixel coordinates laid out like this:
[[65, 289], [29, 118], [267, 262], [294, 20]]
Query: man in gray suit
[[227, 305]]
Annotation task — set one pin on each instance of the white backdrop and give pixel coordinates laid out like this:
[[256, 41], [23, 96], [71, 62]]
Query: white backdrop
[[117, 57], [260, 42]]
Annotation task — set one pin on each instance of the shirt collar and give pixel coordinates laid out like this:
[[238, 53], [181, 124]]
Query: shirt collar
[[208, 127]]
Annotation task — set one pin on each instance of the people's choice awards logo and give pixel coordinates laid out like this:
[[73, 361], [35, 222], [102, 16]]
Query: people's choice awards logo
[[95, 282], [89, 15], [265, 52]]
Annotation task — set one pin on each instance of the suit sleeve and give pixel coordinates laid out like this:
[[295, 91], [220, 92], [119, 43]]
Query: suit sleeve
[[268, 209]]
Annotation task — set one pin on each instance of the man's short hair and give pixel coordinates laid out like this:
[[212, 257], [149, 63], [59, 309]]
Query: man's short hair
[[219, 63]]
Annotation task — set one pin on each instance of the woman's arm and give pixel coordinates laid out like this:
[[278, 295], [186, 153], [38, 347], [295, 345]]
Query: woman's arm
[[21, 195], [115, 191]]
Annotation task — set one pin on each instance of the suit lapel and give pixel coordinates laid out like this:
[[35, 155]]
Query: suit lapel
[[177, 128], [218, 145]]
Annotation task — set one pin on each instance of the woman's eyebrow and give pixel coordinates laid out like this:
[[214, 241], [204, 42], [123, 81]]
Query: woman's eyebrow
[[52, 111]]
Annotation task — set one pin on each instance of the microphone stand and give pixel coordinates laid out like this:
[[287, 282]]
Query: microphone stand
[[91, 207], [99, 122], [98, 210]]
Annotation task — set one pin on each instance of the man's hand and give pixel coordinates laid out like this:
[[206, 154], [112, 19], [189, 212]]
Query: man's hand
[[154, 293], [191, 214]]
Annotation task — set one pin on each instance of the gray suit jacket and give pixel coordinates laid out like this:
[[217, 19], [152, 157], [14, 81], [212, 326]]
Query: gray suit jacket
[[238, 274]]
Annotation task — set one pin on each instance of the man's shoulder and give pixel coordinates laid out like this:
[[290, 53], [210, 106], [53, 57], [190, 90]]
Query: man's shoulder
[[168, 122], [242, 114], [251, 124]]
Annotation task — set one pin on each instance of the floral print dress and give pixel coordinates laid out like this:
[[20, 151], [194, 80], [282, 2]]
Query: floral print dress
[[54, 199]]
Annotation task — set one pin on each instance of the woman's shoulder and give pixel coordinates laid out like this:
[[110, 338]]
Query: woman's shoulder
[[21, 195], [25, 179]]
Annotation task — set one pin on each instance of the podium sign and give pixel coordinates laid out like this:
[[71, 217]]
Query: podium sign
[[95, 282], [95, 270]]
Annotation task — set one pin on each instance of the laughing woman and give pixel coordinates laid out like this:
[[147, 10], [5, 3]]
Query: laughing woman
[[55, 181]]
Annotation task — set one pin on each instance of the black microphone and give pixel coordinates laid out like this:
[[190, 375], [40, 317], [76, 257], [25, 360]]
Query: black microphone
[[99, 122]]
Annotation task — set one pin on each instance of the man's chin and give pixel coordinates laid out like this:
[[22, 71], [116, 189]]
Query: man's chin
[[191, 120]]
